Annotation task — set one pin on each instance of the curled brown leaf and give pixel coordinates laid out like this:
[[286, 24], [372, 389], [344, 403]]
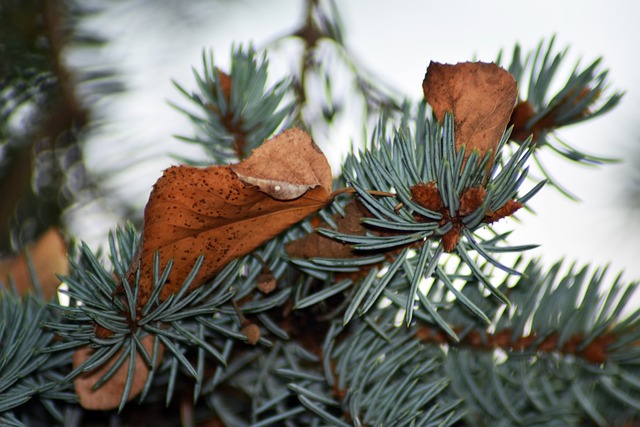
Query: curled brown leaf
[[225, 212], [286, 167], [108, 395], [316, 245], [48, 256]]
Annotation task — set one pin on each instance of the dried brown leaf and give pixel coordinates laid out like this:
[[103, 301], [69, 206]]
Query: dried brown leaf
[[481, 97], [225, 212], [548, 122], [522, 113], [109, 394], [315, 245], [286, 167], [48, 256]]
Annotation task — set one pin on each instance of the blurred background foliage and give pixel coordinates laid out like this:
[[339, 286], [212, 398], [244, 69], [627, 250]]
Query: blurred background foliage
[[65, 161], [44, 118]]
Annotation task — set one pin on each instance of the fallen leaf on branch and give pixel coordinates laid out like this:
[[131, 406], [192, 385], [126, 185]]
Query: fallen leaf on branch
[[315, 245], [287, 167], [225, 212], [48, 257], [481, 97], [108, 396]]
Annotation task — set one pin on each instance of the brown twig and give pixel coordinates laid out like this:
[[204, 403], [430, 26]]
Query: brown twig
[[351, 190], [594, 352]]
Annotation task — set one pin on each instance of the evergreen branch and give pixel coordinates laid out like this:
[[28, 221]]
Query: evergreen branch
[[110, 322], [31, 378], [556, 347], [292, 371], [391, 382], [236, 112], [460, 199], [539, 112], [265, 385], [325, 50], [579, 341], [593, 346], [323, 294], [10, 420]]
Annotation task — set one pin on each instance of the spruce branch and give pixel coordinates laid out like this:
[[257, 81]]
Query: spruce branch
[[236, 111], [324, 52], [191, 329], [566, 333], [336, 383], [388, 377], [106, 318], [389, 306], [540, 112], [32, 382], [423, 216]]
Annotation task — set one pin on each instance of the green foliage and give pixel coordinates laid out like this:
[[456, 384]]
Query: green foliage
[[390, 378], [411, 156], [551, 358], [32, 385], [100, 303], [239, 111]]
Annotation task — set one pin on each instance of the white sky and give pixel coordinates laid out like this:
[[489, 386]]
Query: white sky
[[396, 40]]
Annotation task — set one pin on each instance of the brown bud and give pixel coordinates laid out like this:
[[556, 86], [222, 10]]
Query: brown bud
[[427, 195], [251, 331], [266, 282]]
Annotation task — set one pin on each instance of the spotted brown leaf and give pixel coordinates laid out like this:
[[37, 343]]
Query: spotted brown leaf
[[225, 212]]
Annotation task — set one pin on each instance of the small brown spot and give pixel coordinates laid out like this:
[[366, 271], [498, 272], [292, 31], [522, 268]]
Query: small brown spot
[[471, 199], [451, 238], [507, 209], [252, 332], [266, 282]]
